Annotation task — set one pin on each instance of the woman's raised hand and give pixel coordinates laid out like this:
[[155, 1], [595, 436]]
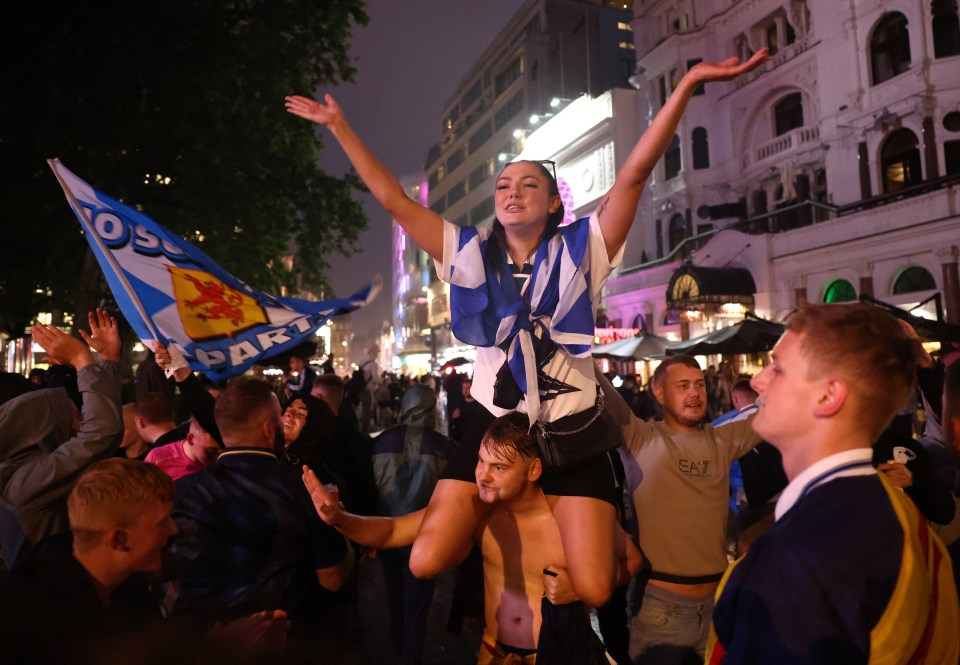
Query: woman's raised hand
[[728, 69], [324, 113]]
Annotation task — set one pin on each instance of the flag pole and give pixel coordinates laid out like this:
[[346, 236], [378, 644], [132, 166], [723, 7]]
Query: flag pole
[[108, 255]]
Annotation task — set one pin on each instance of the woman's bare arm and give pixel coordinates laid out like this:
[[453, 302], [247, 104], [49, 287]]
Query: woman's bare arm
[[618, 208], [423, 225]]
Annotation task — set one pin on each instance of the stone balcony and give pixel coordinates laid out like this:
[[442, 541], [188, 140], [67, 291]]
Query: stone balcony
[[792, 141]]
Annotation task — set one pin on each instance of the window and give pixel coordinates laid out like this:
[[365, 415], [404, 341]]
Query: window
[[659, 229], [788, 113], [510, 109], [663, 90], [890, 47], [677, 231], [671, 159], [791, 33], [471, 95], [820, 186], [455, 160], [481, 173], [624, 26], [674, 80], [507, 76], [475, 115], [480, 137], [913, 279], [951, 157], [839, 291], [951, 121], [772, 39], [456, 192], [946, 28], [437, 176], [760, 202], [627, 45], [701, 149], [481, 211], [439, 205], [900, 161]]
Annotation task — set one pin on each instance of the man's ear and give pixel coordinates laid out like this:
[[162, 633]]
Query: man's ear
[[535, 470], [832, 398], [139, 422], [953, 422], [658, 394], [118, 540], [266, 429]]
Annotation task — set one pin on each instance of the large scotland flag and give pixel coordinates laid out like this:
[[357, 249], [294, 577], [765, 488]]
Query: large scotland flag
[[170, 291]]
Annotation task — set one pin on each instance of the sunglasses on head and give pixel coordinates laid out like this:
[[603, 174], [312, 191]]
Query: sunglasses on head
[[548, 162]]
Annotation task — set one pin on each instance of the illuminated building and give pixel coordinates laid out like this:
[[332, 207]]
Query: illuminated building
[[830, 172]]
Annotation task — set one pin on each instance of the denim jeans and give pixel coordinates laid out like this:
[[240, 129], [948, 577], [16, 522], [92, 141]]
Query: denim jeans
[[670, 629]]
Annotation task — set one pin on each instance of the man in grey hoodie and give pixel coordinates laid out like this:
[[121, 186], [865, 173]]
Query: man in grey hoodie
[[45, 443]]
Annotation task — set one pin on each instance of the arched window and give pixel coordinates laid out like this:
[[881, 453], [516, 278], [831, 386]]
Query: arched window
[[839, 291], [946, 28], [701, 149], [677, 231], [890, 47], [900, 161], [671, 159], [913, 279], [788, 113]]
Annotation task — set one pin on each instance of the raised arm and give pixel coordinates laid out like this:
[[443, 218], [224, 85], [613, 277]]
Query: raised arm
[[40, 480], [423, 225], [618, 208], [374, 532], [198, 401]]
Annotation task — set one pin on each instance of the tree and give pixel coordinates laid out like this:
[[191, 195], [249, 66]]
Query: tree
[[175, 107]]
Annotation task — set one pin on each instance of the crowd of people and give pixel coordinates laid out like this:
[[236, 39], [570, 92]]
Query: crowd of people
[[237, 521], [239, 525]]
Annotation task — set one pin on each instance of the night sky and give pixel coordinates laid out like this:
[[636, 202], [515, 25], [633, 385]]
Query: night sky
[[409, 60]]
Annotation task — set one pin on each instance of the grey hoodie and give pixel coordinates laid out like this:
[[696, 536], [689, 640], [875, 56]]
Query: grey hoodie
[[40, 457]]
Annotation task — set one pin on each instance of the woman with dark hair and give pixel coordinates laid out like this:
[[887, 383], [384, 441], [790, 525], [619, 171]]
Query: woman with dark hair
[[309, 426], [525, 293]]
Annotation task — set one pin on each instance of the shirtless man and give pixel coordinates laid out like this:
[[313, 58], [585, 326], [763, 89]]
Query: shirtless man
[[519, 540]]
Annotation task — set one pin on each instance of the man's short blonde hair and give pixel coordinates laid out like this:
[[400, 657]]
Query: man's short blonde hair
[[112, 494], [868, 347]]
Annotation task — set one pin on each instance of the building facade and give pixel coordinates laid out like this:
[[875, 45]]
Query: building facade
[[550, 52], [829, 172], [411, 340]]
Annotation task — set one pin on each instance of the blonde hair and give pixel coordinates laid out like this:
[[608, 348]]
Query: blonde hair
[[112, 494]]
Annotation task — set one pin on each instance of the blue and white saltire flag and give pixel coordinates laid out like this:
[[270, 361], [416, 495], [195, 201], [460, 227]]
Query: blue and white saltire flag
[[170, 291]]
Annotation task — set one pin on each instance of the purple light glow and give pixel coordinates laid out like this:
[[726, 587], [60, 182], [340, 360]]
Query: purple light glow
[[566, 197]]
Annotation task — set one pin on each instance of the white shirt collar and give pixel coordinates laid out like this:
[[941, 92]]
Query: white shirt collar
[[843, 464]]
